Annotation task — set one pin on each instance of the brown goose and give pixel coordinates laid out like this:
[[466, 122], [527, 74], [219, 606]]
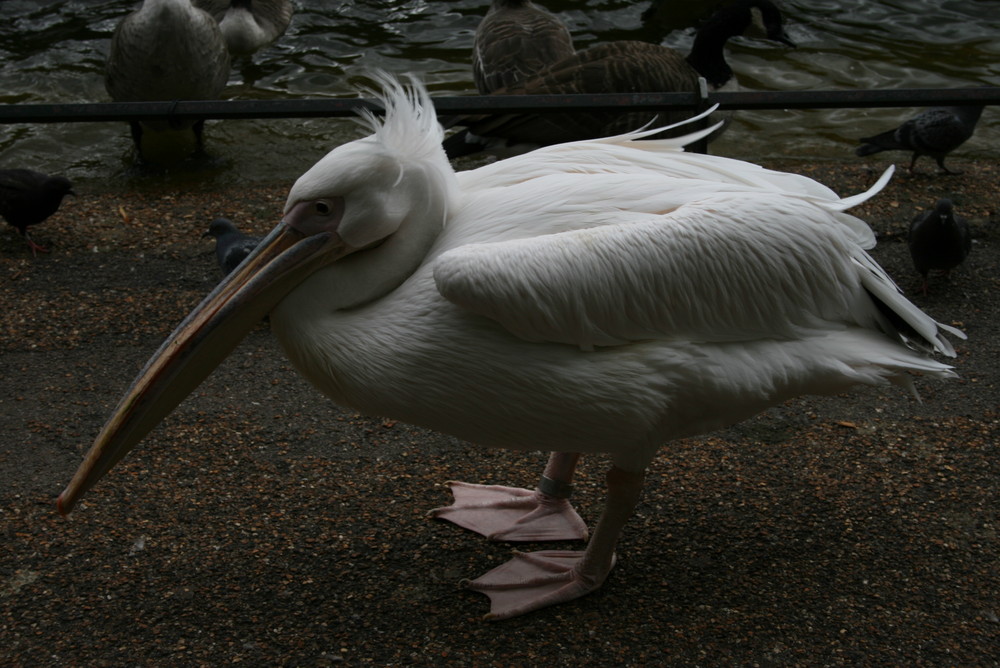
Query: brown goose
[[166, 50], [249, 25], [515, 41], [618, 67]]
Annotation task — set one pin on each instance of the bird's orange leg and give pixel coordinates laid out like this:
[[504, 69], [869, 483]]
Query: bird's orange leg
[[536, 580], [35, 248], [516, 514]]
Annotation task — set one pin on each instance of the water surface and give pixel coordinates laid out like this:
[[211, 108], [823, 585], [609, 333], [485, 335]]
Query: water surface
[[52, 51]]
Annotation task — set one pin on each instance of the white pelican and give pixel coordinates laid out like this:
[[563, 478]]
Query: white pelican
[[601, 297], [166, 50]]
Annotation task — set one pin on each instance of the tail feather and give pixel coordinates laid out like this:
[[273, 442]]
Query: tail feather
[[901, 318], [886, 141], [846, 203]]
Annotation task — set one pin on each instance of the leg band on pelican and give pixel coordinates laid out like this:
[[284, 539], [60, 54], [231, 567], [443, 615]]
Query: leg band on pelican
[[557, 489]]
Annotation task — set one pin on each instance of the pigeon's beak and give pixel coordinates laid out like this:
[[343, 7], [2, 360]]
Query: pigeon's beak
[[205, 337]]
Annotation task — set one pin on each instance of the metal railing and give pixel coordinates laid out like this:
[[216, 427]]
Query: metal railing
[[487, 104]]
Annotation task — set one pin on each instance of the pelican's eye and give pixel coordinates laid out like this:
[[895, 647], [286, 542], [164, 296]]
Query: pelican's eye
[[315, 216]]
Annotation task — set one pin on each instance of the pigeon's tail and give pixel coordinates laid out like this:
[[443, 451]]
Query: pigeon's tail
[[886, 141], [867, 149]]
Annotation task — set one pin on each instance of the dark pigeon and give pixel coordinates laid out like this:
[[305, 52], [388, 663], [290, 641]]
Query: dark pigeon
[[935, 132], [28, 197], [939, 240], [231, 245]]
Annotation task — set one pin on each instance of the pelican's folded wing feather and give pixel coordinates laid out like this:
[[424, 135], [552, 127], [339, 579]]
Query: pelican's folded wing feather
[[665, 158], [736, 266]]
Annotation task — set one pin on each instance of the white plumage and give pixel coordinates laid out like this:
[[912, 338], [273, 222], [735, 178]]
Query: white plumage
[[604, 296]]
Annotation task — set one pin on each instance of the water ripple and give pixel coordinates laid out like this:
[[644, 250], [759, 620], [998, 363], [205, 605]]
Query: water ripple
[[54, 51]]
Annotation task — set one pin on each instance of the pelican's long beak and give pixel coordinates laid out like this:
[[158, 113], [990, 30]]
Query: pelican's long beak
[[204, 338]]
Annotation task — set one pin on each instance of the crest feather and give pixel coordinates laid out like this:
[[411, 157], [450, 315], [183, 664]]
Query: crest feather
[[410, 126]]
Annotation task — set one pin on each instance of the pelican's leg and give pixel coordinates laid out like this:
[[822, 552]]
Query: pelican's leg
[[516, 514], [535, 580]]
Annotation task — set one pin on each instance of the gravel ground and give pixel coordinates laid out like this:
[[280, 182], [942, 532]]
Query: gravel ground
[[262, 525]]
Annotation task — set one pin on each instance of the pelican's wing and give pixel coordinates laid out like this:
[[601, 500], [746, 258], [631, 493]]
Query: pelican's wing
[[624, 154], [730, 267]]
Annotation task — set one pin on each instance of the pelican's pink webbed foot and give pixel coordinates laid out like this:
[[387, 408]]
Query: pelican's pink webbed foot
[[512, 513], [534, 580]]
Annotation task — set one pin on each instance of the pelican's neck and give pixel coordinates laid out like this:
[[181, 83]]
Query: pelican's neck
[[332, 324], [431, 191]]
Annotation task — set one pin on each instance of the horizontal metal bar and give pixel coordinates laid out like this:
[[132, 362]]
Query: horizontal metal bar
[[488, 104], [846, 99]]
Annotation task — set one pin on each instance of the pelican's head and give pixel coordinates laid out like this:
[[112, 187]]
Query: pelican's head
[[368, 188], [386, 194]]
